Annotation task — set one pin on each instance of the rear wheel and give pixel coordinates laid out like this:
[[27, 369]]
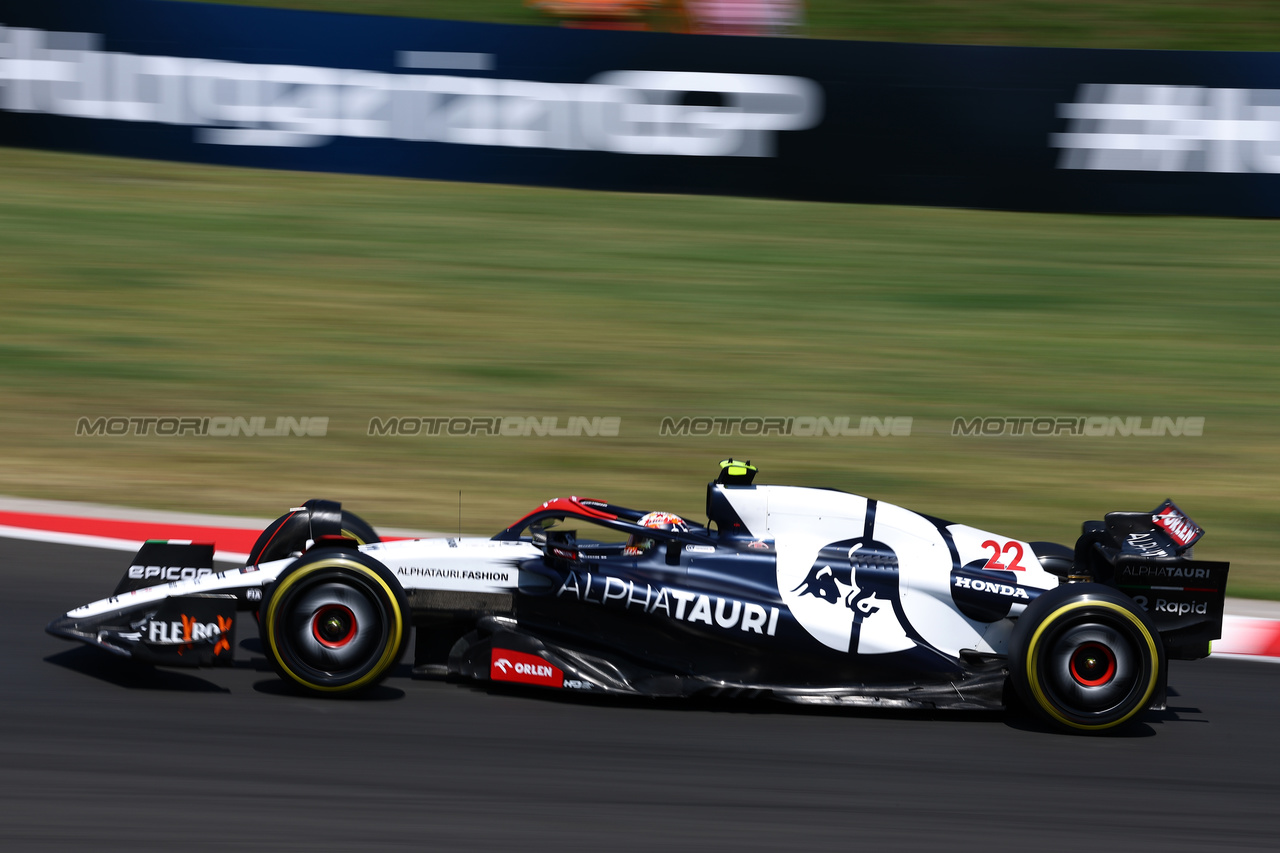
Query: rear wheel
[[1085, 658], [335, 621]]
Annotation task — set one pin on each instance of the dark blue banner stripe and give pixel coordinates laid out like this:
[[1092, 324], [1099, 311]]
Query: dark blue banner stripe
[[1015, 128]]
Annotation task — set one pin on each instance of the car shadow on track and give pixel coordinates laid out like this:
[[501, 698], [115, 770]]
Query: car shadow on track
[[1015, 717], [1020, 719], [378, 693], [279, 687], [723, 705], [129, 673]]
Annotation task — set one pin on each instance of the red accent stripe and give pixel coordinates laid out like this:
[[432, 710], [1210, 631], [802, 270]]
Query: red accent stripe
[[1272, 648], [569, 506], [267, 544], [237, 540], [233, 539]]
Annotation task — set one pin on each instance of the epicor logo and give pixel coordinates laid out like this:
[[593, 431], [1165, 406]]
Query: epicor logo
[[509, 665], [167, 573]]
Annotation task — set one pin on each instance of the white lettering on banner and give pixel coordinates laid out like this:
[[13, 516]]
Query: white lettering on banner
[[167, 573], [1145, 572], [689, 606], [499, 575], [1147, 544], [1170, 129], [233, 103], [1177, 526], [534, 669], [1182, 608], [981, 585]]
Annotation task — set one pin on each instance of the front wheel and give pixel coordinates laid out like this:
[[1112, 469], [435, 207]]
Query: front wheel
[[335, 621], [1085, 658]]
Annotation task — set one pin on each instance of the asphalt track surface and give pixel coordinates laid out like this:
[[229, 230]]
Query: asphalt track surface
[[98, 754]]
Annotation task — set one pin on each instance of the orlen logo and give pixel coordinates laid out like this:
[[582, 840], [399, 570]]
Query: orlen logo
[[507, 665], [167, 573], [1180, 528], [188, 631]]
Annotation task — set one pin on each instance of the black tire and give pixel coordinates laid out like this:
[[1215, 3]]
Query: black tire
[[1086, 658], [335, 621], [289, 533]]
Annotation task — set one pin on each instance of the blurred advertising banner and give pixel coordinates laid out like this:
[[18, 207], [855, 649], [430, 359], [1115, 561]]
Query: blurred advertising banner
[[1015, 128]]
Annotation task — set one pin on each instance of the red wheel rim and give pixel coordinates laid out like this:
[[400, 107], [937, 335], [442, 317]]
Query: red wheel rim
[[333, 626], [1093, 665]]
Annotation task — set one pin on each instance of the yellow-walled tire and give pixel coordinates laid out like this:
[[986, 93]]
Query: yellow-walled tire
[[336, 621], [1086, 658]]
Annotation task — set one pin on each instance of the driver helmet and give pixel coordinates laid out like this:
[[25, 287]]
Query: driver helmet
[[637, 545]]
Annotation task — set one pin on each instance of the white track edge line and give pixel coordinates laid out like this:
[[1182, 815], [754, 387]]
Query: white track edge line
[[1242, 656], [86, 541]]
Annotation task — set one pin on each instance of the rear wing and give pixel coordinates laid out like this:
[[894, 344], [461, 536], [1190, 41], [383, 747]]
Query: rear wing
[[1147, 555]]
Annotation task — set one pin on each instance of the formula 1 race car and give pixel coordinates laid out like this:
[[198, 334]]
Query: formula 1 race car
[[800, 594]]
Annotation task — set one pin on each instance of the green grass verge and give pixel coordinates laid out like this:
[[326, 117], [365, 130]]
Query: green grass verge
[[1150, 24], [137, 288]]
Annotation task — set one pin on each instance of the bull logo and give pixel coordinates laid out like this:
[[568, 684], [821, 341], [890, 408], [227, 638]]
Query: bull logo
[[840, 585], [822, 583], [846, 599]]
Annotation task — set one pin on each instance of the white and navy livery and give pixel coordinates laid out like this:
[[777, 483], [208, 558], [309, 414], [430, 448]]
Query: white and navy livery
[[804, 595]]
